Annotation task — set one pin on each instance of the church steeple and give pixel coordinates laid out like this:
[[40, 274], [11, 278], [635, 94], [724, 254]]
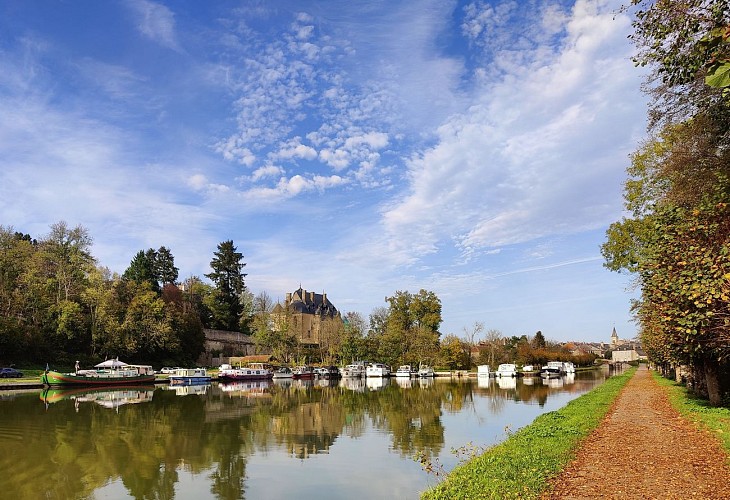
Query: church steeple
[[614, 337]]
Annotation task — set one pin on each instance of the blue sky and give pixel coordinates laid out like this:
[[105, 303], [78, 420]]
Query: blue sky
[[473, 149]]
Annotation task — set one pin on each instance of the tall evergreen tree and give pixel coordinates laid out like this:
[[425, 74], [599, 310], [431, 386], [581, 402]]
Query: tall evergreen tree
[[165, 269], [228, 277], [142, 269]]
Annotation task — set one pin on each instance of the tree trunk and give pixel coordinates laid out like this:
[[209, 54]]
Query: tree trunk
[[716, 381]]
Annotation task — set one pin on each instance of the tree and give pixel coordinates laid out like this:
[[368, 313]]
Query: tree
[[471, 334], [143, 269], [353, 345], [228, 277], [686, 45], [493, 344], [454, 353], [676, 240], [67, 257], [410, 321], [164, 266], [538, 341]]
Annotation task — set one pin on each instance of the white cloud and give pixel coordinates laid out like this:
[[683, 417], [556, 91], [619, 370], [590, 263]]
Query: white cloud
[[156, 22], [339, 159], [266, 172], [534, 156], [294, 149]]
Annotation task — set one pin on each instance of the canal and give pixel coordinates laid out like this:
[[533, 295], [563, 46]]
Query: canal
[[261, 440]]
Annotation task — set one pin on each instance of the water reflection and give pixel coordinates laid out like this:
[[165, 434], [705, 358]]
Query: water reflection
[[188, 390], [107, 397], [233, 440]]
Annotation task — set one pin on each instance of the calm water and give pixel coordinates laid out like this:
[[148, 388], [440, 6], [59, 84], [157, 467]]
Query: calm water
[[259, 440]]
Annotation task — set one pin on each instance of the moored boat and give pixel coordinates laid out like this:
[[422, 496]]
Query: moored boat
[[354, 370], [330, 372], [254, 371], [425, 371], [568, 367], [190, 376], [483, 371], [303, 373], [506, 370], [377, 370], [282, 373], [405, 371], [553, 369], [110, 372]]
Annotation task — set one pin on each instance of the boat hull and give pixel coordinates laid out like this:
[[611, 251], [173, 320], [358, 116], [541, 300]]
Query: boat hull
[[57, 379]]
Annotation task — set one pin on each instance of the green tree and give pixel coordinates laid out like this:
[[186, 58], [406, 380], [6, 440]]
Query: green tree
[[538, 341], [67, 259], [676, 239], [164, 266], [228, 278], [406, 330], [454, 353], [143, 269], [353, 343]]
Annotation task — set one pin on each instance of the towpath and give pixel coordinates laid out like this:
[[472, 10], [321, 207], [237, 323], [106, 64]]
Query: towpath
[[645, 449]]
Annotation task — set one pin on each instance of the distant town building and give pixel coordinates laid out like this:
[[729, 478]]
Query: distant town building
[[628, 352], [306, 315], [595, 348]]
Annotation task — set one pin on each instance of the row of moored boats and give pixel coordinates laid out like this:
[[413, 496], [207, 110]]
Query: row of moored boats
[[551, 370], [115, 372]]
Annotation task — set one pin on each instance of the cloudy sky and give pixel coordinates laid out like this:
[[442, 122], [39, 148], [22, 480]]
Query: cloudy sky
[[474, 149]]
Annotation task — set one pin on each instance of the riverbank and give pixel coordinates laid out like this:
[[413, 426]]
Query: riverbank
[[522, 466], [659, 440], [657, 452]]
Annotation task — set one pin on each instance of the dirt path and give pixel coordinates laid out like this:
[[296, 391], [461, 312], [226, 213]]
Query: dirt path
[[645, 449]]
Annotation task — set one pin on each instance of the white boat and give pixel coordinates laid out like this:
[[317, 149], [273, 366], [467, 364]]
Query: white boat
[[426, 371], [283, 372], [190, 376], [254, 371], [568, 367], [405, 371], [377, 370], [506, 370], [330, 372], [553, 369], [483, 371], [354, 370]]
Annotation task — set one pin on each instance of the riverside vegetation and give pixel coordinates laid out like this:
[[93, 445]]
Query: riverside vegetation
[[715, 419], [521, 466]]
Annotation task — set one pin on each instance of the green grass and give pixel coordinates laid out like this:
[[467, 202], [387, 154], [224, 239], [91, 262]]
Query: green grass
[[521, 466], [714, 419], [29, 376]]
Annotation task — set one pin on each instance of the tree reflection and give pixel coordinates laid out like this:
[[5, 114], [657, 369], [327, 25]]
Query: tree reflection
[[79, 447]]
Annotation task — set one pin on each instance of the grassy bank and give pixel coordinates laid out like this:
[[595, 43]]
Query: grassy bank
[[714, 419], [521, 466]]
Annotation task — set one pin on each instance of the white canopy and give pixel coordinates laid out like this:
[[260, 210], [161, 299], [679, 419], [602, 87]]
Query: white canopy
[[112, 363]]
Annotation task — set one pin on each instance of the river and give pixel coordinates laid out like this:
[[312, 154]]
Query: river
[[261, 440]]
